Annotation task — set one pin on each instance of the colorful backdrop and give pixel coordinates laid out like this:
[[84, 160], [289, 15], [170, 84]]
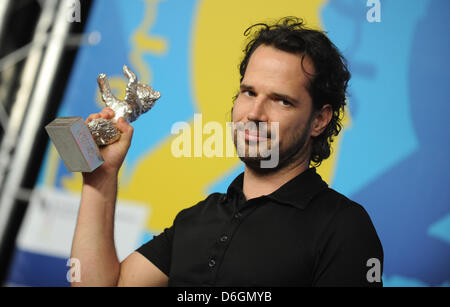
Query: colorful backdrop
[[391, 157]]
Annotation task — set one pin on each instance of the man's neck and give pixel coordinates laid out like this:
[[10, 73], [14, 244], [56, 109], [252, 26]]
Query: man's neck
[[256, 184]]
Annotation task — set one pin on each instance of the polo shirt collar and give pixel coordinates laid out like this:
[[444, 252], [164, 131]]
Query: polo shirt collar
[[297, 192]]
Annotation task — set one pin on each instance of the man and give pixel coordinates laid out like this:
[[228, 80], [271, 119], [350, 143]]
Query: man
[[274, 226]]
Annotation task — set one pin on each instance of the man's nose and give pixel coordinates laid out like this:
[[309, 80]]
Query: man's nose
[[258, 111]]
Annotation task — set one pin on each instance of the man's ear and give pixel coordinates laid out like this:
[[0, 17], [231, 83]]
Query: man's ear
[[321, 120]]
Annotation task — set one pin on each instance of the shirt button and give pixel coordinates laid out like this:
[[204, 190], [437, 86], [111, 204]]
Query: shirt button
[[224, 238], [212, 263], [238, 215]]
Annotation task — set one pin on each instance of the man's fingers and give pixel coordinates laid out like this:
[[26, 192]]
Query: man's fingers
[[126, 129], [124, 126], [106, 113], [92, 116]]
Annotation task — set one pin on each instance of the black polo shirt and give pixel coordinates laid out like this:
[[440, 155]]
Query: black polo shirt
[[303, 234]]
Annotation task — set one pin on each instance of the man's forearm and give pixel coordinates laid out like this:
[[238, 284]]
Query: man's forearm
[[93, 243]]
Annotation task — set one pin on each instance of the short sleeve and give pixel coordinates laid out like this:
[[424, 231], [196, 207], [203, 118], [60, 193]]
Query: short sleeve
[[350, 251], [159, 249]]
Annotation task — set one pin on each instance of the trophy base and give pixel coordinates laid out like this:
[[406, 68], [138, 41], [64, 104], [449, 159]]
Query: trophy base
[[75, 144]]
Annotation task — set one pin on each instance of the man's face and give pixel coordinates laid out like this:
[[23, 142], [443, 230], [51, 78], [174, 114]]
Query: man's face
[[274, 90]]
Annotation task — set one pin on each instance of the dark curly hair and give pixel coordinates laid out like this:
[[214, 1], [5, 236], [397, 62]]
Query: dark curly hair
[[329, 83]]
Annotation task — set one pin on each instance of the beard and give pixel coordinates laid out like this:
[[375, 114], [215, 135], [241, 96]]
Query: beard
[[290, 156]]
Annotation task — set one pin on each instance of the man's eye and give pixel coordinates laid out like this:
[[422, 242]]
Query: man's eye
[[284, 103], [249, 93]]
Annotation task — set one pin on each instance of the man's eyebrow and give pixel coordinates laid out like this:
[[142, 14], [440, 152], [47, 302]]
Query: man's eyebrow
[[246, 87]]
